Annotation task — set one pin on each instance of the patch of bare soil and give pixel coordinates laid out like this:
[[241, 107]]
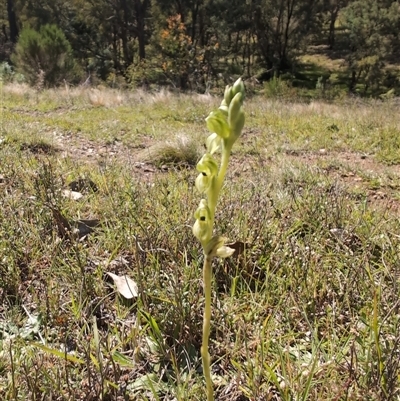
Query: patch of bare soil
[[358, 172], [86, 151]]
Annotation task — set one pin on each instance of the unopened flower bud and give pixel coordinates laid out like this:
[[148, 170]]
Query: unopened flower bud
[[236, 129], [234, 109], [224, 252], [228, 95], [224, 108], [238, 87]]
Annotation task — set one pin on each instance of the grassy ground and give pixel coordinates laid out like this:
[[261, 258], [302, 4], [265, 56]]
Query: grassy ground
[[308, 311]]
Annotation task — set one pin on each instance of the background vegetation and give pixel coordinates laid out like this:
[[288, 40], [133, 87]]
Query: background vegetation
[[351, 45]]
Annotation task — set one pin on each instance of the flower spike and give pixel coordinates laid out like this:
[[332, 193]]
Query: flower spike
[[226, 125]]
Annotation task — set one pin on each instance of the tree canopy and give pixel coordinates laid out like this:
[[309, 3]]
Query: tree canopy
[[191, 43]]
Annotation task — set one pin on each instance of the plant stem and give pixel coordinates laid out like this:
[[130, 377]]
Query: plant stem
[[226, 153], [213, 192], [212, 195], [206, 327]]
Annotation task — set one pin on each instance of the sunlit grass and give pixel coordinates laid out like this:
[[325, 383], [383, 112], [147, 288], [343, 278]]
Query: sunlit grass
[[309, 311]]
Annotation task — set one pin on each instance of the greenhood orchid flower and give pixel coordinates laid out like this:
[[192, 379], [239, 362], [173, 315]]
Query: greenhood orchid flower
[[213, 143], [201, 228], [216, 122], [216, 247], [208, 168]]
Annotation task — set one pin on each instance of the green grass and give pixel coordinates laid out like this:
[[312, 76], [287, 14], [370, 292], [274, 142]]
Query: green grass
[[309, 311]]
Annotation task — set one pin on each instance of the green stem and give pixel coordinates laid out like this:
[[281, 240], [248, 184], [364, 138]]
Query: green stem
[[226, 153], [213, 195], [207, 270], [213, 192]]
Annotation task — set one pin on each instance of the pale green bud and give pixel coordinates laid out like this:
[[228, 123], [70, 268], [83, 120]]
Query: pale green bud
[[238, 126], [238, 87], [234, 109], [213, 143], [224, 108], [216, 122], [228, 95], [201, 228]]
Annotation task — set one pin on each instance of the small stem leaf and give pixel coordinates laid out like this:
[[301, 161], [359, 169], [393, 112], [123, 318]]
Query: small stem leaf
[[122, 360], [58, 353]]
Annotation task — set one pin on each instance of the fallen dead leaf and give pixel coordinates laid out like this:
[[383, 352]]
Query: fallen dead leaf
[[74, 195], [125, 285]]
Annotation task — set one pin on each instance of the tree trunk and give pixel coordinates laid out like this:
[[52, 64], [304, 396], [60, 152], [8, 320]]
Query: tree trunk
[[12, 20], [331, 37], [115, 48], [142, 49], [284, 63], [353, 81], [128, 59], [141, 9], [5, 33], [195, 12]]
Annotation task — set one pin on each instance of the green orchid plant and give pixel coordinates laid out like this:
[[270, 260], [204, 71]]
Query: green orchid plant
[[226, 125]]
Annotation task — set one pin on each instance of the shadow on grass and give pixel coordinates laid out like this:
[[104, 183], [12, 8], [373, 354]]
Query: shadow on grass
[[310, 74]]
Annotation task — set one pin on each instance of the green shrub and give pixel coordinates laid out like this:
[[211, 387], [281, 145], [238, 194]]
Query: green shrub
[[6, 72], [44, 56], [278, 88], [145, 74]]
